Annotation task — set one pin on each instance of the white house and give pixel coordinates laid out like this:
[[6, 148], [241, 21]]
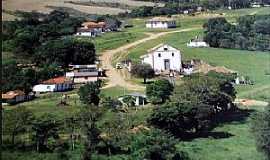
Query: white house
[[197, 42], [163, 58], [57, 84], [161, 22]]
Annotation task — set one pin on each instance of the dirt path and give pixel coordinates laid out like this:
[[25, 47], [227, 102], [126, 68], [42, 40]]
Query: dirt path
[[114, 77]]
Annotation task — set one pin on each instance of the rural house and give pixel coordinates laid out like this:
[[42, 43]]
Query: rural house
[[57, 84], [13, 97], [83, 73], [161, 22], [139, 99], [163, 58], [91, 29]]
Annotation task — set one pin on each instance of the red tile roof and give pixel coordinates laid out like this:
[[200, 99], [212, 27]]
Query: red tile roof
[[57, 80], [12, 94], [94, 24]]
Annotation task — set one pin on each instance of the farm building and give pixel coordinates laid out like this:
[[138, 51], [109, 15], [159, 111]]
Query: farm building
[[197, 42], [91, 29], [163, 58], [57, 84], [83, 73], [13, 97], [161, 22]]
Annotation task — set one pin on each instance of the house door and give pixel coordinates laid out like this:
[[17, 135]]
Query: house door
[[167, 64]]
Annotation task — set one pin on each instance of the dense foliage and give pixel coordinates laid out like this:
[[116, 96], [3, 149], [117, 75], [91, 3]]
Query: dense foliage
[[159, 91], [261, 131], [42, 39], [89, 93], [194, 105], [250, 33]]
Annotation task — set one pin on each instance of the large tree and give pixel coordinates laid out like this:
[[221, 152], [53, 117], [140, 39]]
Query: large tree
[[159, 91], [143, 71], [89, 93]]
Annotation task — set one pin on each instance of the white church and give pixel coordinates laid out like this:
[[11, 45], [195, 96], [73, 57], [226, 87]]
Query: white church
[[161, 23], [163, 58]]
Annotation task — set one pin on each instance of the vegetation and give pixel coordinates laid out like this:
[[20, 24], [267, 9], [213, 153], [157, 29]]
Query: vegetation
[[89, 93], [159, 91], [143, 70], [250, 33], [261, 131]]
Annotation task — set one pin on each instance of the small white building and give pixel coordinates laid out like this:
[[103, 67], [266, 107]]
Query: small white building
[[163, 58], [161, 22], [57, 84], [139, 99], [197, 43]]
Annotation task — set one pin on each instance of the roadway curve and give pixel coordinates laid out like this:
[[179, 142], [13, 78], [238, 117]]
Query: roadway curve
[[114, 77]]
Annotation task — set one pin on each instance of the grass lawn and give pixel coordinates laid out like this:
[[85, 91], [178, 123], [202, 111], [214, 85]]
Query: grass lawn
[[240, 145]]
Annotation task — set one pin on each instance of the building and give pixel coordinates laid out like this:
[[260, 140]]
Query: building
[[140, 99], [163, 58], [81, 74], [83, 77], [197, 43], [91, 29], [161, 22], [57, 84], [13, 97]]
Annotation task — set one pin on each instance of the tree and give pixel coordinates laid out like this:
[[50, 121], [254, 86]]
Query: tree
[[67, 51], [143, 71], [16, 122], [159, 91], [45, 127], [182, 119], [89, 93], [261, 130], [155, 145], [88, 119]]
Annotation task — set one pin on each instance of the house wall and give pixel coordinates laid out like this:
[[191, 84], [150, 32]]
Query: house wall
[[79, 80], [52, 87], [158, 24], [156, 59]]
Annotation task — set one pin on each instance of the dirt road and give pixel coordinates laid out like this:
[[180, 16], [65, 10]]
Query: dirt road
[[114, 77]]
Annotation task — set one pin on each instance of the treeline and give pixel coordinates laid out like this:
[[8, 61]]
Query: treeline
[[178, 7], [249, 33]]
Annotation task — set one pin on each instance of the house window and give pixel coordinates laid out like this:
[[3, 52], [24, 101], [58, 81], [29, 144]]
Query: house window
[[165, 48], [173, 54], [159, 55], [85, 78], [48, 87]]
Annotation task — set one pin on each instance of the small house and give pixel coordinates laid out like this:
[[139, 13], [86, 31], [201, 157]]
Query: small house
[[91, 29], [81, 74], [161, 22], [163, 58], [57, 84], [197, 43], [13, 97]]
